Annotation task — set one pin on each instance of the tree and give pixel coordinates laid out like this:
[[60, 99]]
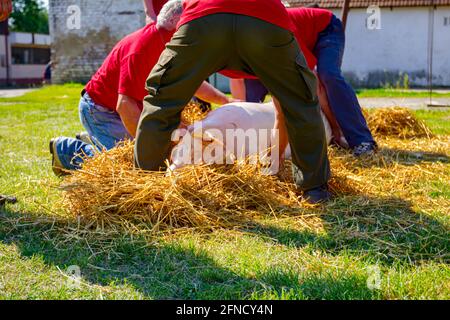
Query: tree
[[29, 16]]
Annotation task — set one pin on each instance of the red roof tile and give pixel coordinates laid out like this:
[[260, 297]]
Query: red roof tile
[[367, 3]]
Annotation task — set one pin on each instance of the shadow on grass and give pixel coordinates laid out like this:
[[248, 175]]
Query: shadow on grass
[[287, 285], [387, 230], [393, 156], [403, 157], [163, 270]]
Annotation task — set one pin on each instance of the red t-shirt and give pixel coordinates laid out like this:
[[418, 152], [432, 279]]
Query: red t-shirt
[[309, 23], [272, 11], [127, 67], [158, 4]]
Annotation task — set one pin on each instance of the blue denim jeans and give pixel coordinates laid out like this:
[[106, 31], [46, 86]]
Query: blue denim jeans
[[329, 51], [104, 127], [255, 91]]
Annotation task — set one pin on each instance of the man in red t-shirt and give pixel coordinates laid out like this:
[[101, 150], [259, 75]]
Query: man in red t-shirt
[[249, 36], [111, 102], [322, 39]]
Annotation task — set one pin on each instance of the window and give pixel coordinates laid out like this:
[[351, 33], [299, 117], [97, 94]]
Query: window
[[23, 55], [41, 56]]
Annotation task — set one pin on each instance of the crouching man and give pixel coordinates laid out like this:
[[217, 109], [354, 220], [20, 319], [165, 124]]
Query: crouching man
[[252, 36], [111, 102]]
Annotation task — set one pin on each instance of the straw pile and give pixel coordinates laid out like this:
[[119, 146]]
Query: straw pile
[[108, 191], [193, 112], [397, 122]]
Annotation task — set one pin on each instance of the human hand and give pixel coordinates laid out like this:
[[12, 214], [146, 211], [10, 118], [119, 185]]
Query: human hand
[[233, 100]]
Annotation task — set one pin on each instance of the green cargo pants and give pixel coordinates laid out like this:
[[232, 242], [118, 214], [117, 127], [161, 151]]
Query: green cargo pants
[[228, 41]]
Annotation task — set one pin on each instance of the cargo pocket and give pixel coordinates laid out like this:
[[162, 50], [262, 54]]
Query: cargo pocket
[[156, 76], [309, 79]]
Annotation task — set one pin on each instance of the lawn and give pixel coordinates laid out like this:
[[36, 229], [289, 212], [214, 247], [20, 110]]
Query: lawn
[[400, 93], [382, 246]]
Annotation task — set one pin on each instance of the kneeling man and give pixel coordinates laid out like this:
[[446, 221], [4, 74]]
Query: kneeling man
[[322, 38], [111, 102]]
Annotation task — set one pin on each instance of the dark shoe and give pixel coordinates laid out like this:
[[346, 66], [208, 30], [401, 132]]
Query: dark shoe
[[85, 137], [365, 149], [317, 195], [7, 199], [57, 166]]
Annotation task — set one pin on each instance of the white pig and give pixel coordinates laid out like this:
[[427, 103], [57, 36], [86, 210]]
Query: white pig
[[191, 148]]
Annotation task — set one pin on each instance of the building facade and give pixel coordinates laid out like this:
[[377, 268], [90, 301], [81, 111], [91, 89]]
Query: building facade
[[395, 42], [23, 57], [390, 42], [83, 32]]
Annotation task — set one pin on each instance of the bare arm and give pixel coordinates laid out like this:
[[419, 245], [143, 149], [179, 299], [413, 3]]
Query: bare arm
[[325, 106], [280, 125], [208, 93], [238, 89], [149, 11], [129, 112]]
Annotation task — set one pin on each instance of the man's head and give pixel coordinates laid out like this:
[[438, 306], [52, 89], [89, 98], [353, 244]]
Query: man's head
[[170, 15]]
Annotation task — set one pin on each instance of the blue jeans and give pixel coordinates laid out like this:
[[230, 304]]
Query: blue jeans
[[104, 127], [255, 91], [329, 51]]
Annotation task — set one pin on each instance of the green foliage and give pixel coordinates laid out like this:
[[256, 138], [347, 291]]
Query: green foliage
[[29, 16], [402, 82]]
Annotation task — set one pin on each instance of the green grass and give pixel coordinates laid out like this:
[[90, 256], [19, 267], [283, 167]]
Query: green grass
[[398, 93], [274, 259], [438, 121]]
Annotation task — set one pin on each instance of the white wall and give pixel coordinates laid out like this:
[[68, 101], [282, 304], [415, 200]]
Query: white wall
[[28, 71], [377, 57], [441, 56], [29, 38], [2, 58], [21, 72], [401, 45]]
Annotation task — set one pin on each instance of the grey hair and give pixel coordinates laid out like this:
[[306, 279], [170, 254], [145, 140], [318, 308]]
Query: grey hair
[[170, 15]]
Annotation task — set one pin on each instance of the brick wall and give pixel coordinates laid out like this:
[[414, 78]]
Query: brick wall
[[84, 31]]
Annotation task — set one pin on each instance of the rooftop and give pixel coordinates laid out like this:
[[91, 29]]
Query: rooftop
[[367, 3]]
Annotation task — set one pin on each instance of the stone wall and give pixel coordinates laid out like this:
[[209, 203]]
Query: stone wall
[[84, 31]]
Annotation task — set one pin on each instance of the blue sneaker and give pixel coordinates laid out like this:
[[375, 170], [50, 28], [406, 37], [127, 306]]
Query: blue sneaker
[[57, 167], [317, 195], [365, 149]]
